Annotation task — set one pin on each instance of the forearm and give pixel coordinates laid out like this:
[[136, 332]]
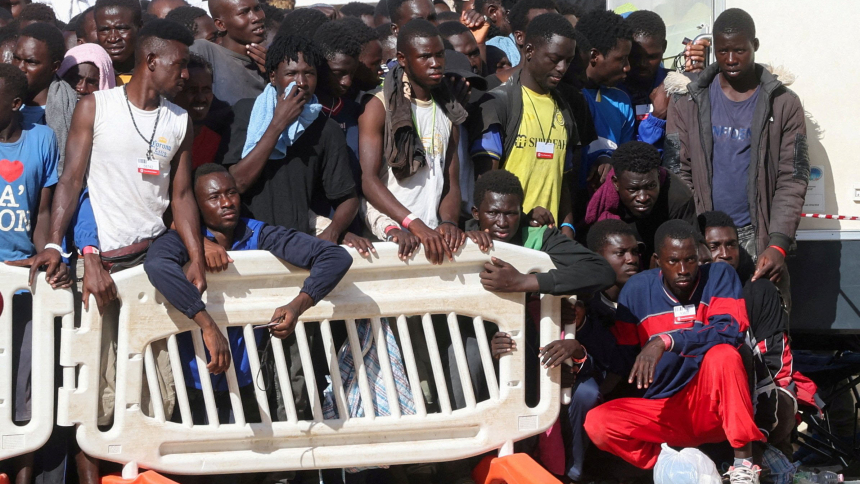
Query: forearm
[[565, 204], [63, 207], [449, 207], [301, 303], [249, 168], [380, 197], [343, 215], [41, 232], [187, 222]]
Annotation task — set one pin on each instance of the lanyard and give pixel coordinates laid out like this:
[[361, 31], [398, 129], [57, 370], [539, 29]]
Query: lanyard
[[552, 119], [433, 129]]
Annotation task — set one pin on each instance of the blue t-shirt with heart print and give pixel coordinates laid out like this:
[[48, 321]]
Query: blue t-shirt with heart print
[[26, 167]]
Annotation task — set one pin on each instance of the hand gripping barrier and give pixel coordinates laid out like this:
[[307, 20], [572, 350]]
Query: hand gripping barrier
[[47, 304], [375, 288]]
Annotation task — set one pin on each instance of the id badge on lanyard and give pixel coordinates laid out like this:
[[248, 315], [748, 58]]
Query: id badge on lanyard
[[148, 166], [685, 314], [544, 150]]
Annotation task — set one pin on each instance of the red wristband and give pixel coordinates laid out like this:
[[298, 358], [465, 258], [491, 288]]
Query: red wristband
[[780, 249], [408, 220], [390, 228], [90, 250], [581, 360], [667, 340]]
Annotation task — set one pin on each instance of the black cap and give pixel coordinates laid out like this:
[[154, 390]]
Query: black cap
[[459, 65]]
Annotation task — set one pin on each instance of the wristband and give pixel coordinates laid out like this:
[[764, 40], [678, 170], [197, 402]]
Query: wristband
[[581, 360], [668, 341], [58, 249], [90, 250], [390, 228], [571, 227], [408, 220], [778, 248]]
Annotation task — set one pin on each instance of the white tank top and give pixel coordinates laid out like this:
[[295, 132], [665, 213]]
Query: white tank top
[[129, 205]]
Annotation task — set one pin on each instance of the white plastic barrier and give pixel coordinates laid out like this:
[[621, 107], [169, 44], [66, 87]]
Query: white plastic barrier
[[247, 295], [47, 304]]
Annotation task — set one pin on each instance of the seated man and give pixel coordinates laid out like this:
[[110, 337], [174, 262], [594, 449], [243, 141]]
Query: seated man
[[219, 202], [768, 320], [689, 322], [641, 193]]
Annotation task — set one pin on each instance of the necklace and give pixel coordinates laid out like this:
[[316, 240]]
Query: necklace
[[157, 116], [552, 119]]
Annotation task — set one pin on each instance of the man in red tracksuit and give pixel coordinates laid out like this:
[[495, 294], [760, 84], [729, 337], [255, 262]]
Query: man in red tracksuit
[[689, 322]]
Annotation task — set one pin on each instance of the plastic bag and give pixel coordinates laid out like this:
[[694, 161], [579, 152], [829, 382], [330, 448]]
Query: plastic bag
[[690, 466]]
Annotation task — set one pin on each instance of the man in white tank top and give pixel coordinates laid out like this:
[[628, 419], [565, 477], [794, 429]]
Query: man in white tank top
[[426, 202], [130, 143]]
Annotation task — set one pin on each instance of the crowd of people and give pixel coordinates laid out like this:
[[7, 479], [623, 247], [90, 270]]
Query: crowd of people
[[167, 134]]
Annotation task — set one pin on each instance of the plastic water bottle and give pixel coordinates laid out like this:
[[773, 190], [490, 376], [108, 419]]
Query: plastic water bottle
[[820, 477]]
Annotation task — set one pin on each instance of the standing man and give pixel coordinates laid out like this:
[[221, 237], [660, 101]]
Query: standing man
[[409, 164], [527, 126], [117, 23], [738, 139], [239, 62], [134, 146]]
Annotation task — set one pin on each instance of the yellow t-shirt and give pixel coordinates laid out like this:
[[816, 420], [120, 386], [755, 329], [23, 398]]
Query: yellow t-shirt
[[539, 168]]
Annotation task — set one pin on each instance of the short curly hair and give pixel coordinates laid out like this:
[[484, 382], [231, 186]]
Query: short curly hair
[[165, 30], [304, 22], [288, 47], [14, 81], [133, 5], [543, 27], [603, 29], [362, 33], [518, 17], [599, 233], [357, 9], [50, 35], [335, 38], [497, 181], [673, 230], [647, 24], [186, 15], [735, 21], [37, 12], [715, 219], [635, 157]]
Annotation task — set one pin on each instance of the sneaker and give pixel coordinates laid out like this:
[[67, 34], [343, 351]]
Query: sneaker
[[743, 474]]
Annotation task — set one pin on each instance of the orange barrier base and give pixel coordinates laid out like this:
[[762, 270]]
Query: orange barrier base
[[4, 479], [148, 477], [512, 469]]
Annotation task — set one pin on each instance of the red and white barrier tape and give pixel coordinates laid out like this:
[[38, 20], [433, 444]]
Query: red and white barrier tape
[[829, 217]]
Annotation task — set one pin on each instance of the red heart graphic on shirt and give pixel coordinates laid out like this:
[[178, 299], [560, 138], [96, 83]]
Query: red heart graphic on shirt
[[11, 170]]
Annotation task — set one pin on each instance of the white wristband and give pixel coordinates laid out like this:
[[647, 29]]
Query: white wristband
[[58, 249]]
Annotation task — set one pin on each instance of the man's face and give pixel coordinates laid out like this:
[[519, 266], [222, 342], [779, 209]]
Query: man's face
[[218, 200], [646, 54], [610, 69], [341, 69], [369, 70], [242, 20], [704, 254], [412, 10], [160, 8], [723, 244], [302, 73], [622, 253], [465, 44], [196, 96], [84, 77], [92, 35], [424, 61], [679, 261], [735, 54], [206, 29], [117, 32], [498, 16], [548, 61], [34, 60], [499, 215], [638, 191], [170, 68]]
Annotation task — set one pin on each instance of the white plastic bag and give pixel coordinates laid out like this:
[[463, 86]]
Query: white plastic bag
[[690, 466]]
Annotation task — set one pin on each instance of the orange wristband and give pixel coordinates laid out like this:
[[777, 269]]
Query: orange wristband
[[780, 249]]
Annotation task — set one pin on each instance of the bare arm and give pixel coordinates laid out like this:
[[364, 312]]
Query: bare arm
[[565, 206], [449, 206], [41, 231], [186, 217]]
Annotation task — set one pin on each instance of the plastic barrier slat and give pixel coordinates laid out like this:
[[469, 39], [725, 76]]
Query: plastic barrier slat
[[179, 377], [360, 369], [385, 365], [205, 378], [233, 387], [436, 364], [256, 374], [486, 358], [154, 389], [462, 363], [284, 379], [308, 370], [411, 367], [334, 370]]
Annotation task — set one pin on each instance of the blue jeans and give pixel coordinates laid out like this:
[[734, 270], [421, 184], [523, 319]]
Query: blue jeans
[[586, 395]]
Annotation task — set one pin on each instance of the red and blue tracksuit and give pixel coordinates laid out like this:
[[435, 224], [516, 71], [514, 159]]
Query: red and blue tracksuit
[[700, 392]]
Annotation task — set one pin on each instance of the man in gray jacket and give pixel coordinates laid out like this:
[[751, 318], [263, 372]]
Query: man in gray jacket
[[738, 138]]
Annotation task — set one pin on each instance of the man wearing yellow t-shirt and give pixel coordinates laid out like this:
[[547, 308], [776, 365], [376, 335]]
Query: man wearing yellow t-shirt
[[527, 127]]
